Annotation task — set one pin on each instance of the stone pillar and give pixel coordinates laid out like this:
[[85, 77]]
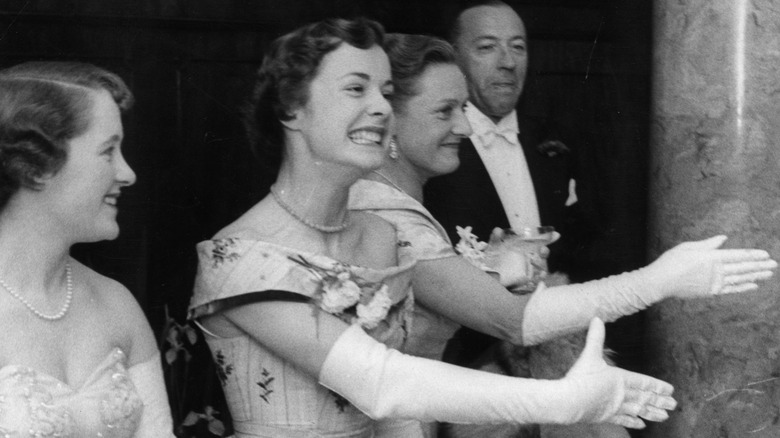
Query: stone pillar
[[715, 169]]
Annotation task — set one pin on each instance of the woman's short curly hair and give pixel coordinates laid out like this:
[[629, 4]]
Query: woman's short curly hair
[[283, 80], [44, 105], [410, 55]]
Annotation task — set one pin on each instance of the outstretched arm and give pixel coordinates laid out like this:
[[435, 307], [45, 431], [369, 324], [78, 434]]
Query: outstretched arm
[[467, 295], [689, 270], [385, 383], [455, 288]]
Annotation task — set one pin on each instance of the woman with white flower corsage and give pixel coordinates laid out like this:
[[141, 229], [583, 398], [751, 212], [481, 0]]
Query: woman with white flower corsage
[[305, 303], [430, 93], [77, 356]]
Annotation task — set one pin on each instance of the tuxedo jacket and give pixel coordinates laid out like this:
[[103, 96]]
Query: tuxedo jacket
[[467, 196]]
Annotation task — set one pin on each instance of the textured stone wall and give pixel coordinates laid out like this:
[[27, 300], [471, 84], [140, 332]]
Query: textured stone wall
[[715, 169]]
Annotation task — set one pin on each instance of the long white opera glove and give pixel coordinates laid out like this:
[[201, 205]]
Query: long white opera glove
[[384, 383], [691, 269], [156, 419]]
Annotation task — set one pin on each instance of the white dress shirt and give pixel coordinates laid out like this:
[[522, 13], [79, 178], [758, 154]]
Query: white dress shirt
[[499, 148]]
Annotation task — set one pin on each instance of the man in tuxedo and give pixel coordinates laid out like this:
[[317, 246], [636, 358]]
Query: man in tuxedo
[[511, 174]]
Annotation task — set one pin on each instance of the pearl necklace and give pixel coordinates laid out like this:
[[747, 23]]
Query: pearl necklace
[[322, 228], [38, 313]]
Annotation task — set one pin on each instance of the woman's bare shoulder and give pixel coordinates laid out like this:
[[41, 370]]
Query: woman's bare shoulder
[[378, 238], [258, 223], [374, 225], [98, 283], [119, 306]]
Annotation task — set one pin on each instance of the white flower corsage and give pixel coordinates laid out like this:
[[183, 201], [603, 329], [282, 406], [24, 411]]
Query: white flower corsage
[[348, 296], [470, 247], [506, 257], [371, 314], [339, 292]]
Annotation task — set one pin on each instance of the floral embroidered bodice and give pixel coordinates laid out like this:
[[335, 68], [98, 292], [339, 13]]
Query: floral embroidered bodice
[[268, 396], [35, 404]]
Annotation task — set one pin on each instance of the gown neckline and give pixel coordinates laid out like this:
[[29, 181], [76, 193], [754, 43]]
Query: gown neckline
[[312, 255], [107, 361]]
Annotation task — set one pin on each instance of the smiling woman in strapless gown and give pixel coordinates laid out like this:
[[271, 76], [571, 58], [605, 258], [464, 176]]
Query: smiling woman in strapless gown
[[77, 356]]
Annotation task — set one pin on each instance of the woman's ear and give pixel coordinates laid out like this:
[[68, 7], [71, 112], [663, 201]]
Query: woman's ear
[[293, 120], [40, 181]]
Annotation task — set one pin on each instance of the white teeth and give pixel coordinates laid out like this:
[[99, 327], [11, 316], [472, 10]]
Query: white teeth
[[365, 137]]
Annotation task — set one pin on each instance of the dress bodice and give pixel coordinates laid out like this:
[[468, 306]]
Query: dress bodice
[[421, 238], [267, 395], [35, 404]]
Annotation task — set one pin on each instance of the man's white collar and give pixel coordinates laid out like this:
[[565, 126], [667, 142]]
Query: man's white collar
[[485, 130]]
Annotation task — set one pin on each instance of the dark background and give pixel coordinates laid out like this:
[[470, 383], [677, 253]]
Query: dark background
[[190, 64]]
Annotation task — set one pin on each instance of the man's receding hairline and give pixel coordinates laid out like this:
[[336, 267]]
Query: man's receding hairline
[[457, 29]]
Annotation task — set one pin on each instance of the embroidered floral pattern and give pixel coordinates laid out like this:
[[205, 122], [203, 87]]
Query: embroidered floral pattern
[[223, 369], [221, 252], [265, 385], [36, 404], [121, 406], [348, 296], [46, 419]]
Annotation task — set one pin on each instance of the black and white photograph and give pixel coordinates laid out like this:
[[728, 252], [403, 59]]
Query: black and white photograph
[[389, 218]]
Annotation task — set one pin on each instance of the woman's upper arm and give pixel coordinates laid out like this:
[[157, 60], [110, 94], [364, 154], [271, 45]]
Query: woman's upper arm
[[465, 294], [143, 343], [291, 330]]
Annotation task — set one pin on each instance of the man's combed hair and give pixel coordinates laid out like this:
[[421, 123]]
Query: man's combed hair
[[44, 105], [464, 5]]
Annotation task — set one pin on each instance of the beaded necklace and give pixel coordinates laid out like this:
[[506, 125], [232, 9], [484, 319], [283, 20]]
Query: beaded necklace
[[319, 227], [38, 313]]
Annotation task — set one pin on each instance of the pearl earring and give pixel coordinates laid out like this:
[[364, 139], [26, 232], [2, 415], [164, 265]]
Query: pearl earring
[[393, 148]]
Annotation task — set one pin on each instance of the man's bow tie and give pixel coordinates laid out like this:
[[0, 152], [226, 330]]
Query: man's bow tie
[[490, 135]]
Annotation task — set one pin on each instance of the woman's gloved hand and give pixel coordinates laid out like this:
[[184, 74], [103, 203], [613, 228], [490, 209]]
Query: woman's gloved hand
[[700, 268], [519, 262], [611, 394], [691, 269]]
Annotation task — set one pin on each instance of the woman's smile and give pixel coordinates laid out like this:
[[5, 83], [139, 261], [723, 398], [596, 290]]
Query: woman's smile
[[367, 136]]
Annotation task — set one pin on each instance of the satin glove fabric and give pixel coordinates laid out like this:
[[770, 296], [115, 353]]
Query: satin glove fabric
[[384, 383], [695, 269], [691, 269]]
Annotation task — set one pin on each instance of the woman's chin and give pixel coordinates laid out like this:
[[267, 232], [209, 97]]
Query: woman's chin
[[446, 168], [371, 162], [366, 158], [99, 234]]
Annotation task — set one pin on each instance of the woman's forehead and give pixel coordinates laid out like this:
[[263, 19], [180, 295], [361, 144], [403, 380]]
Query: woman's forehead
[[347, 60]]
